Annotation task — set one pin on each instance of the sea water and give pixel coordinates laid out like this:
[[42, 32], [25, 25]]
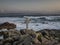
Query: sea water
[[36, 23]]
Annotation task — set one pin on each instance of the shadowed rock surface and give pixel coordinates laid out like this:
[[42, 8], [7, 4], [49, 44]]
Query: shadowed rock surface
[[7, 25], [30, 37]]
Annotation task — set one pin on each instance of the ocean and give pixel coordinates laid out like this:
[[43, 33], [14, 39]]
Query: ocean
[[36, 22]]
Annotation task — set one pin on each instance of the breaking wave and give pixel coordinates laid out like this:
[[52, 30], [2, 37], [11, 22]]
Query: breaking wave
[[36, 23]]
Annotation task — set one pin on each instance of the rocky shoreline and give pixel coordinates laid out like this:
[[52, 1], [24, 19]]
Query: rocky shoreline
[[11, 36]]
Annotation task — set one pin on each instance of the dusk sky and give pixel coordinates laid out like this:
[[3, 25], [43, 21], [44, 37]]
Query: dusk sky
[[30, 5]]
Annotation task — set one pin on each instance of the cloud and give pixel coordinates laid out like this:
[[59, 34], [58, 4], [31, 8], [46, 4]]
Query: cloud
[[32, 5]]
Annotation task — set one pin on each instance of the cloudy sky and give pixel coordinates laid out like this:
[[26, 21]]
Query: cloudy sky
[[30, 5]]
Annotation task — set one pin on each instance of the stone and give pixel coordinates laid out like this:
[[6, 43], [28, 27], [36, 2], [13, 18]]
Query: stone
[[7, 25]]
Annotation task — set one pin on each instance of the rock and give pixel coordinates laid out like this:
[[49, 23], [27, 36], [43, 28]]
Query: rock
[[22, 31], [29, 31], [24, 40], [30, 37], [1, 43], [7, 25]]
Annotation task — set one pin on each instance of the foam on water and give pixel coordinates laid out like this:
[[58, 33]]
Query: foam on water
[[37, 25]]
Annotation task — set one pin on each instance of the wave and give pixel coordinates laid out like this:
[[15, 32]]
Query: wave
[[36, 23]]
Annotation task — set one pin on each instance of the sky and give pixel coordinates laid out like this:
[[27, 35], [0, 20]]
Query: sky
[[30, 5]]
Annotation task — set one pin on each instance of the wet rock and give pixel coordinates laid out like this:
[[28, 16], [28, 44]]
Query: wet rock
[[7, 25], [29, 31], [29, 37], [22, 31]]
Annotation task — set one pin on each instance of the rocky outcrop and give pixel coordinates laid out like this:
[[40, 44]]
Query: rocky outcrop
[[30, 37], [49, 36], [7, 25]]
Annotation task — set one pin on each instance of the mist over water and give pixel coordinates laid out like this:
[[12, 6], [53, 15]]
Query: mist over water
[[36, 23]]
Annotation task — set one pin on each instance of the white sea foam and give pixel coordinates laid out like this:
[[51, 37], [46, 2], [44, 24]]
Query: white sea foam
[[35, 26]]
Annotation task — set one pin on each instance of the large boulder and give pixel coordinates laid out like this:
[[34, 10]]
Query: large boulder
[[7, 25]]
